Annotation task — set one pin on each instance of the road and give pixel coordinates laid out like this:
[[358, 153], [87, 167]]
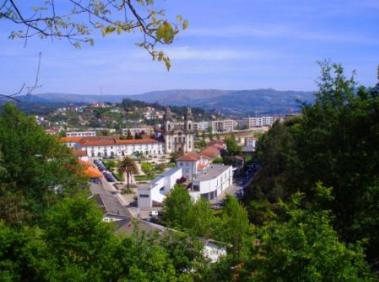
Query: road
[[236, 189]]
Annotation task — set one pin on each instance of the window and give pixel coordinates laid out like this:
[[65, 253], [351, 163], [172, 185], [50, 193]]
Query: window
[[144, 196], [196, 188]]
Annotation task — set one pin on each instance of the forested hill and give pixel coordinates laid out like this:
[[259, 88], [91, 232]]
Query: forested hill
[[233, 102], [228, 102]]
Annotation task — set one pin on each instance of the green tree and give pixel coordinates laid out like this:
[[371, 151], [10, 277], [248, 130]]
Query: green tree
[[80, 244], [232, 146], [38, 170], [148, 169], [201, 219], [176, 208], [235, 228], [333, 141], [127, 167], [304, 247]]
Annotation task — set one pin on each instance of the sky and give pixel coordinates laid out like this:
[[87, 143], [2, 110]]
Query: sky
[[238, 44]]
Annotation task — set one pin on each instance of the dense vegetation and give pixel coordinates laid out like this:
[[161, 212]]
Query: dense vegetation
[[180, 111], [334, 142]]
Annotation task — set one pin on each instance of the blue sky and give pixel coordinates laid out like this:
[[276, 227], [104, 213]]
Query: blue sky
[[239, 44]]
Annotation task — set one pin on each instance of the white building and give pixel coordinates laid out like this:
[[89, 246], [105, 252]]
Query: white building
[[202, 125], [148, 130], [178, 136], [113, 147], [155, 191], [191, 164], [208, 181], [226, 125], [212, 181], [81, 133], [260, 121]]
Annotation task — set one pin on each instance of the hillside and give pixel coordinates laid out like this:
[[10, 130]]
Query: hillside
[[239, 102], [228, 102]]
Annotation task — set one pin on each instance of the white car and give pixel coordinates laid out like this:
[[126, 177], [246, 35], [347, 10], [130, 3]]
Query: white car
[[154, 213]]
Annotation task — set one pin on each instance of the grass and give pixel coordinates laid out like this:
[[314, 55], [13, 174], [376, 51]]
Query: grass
[[143, 177]]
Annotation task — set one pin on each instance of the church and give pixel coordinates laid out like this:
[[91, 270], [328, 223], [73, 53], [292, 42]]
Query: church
[[178, 135]]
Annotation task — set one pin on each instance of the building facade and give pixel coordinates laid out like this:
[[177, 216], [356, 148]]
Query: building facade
[[109, 147], [81, 133], [178, 136]]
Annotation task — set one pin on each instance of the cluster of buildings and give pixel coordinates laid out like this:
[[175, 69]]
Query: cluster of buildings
[[112, 147], [231, 125], [195, 171]]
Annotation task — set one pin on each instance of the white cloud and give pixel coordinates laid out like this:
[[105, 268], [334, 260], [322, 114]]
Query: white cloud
[[279, 32]]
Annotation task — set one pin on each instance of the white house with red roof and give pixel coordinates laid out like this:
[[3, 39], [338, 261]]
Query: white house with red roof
[[114, 147]]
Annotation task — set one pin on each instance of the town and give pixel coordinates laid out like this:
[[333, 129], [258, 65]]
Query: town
[[189, 141], [162, 149], [176, 149]]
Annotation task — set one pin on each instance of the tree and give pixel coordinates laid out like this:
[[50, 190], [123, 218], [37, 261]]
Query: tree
[[201, 219], [232, 146], [127, 167], [235, 228], [129, 135], [37, 169], [176, 208], [148, 169], [334, 141], [304, 247], [80, 244], [201, 144], [77, 21]]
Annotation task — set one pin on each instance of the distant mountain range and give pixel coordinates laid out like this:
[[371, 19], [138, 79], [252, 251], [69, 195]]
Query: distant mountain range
[[229, 102], [233, 102]]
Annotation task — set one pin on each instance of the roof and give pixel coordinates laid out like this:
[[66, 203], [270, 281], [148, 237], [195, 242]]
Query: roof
[[128, 227], [211, 172], [106, 141], [211, 152], [109, 203], [90, 171], [70, 139], [191, 156]]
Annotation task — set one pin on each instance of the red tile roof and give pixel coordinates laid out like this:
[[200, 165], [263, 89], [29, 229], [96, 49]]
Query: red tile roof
[[70, 139], [192, 156], [106, 141], [211, 152]]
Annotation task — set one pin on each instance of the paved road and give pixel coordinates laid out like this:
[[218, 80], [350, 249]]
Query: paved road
[[236, 189]]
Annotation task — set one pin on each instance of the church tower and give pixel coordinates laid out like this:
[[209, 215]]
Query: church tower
[[189, 132], [178, 135]]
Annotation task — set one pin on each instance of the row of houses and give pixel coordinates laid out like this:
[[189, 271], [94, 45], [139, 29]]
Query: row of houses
[[112, 147]]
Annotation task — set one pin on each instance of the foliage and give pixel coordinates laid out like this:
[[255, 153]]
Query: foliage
[[218, 160], [148, 169], [235, 227], [303, 248], [37, 170], [201, 144], [176, 207], [78, 22], [334, 141], [201, 219], [232, 147], [128, 167]]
